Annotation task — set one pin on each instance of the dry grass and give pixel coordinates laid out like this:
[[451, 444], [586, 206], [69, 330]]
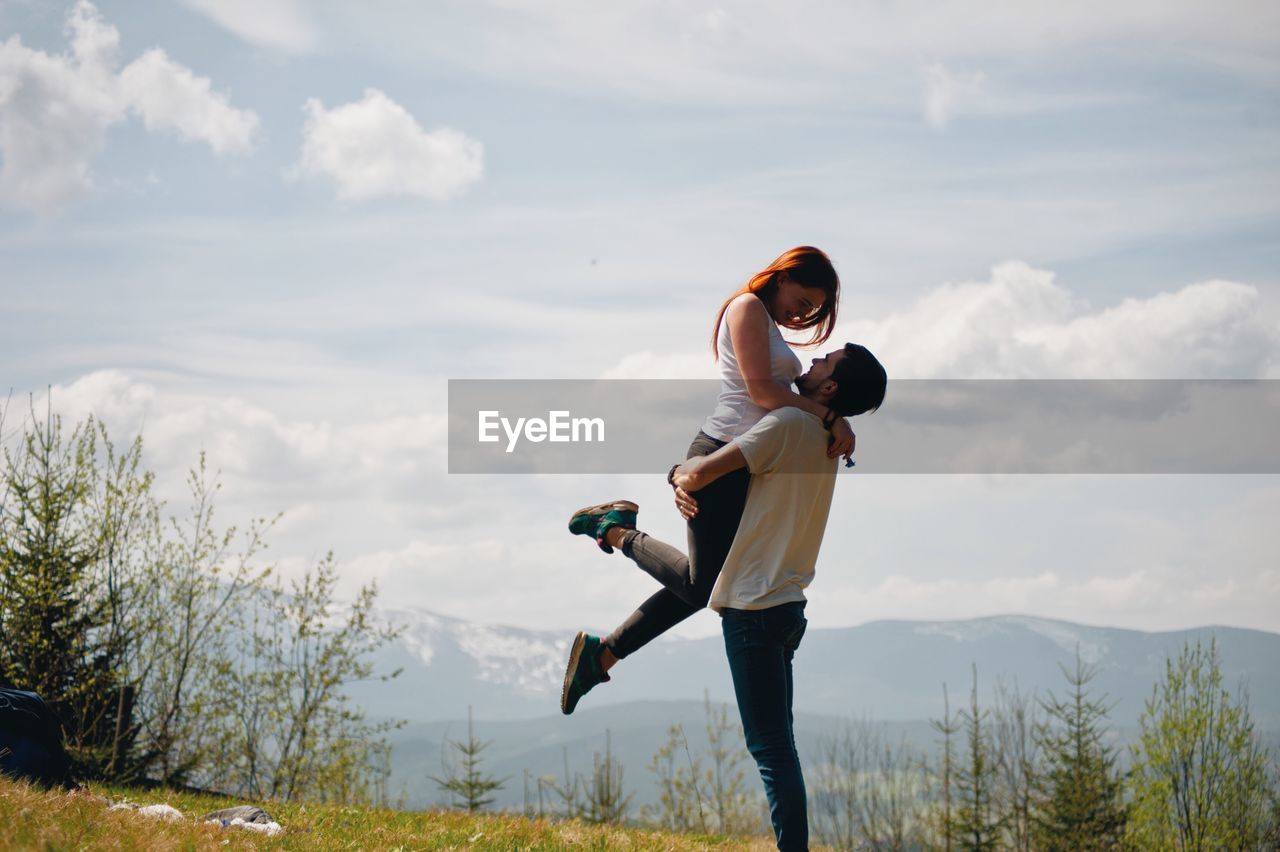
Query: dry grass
[[33, 819]]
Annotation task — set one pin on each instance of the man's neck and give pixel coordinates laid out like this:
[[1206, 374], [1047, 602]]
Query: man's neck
[[815, 398]]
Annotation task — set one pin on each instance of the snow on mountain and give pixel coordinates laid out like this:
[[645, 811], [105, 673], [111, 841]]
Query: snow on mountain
[[526, 664], [888, 669], [1090, 641], [524, 660]]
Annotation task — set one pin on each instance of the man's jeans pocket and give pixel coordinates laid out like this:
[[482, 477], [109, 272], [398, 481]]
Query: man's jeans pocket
[[789, 625], [796, 633]]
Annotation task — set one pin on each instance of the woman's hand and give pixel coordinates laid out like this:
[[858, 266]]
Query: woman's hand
[[687, 506], [842, 439]]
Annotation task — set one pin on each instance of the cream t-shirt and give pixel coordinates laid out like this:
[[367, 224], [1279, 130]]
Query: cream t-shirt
[[772, 558]]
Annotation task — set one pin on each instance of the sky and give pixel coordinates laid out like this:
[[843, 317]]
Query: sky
[[272, 232]]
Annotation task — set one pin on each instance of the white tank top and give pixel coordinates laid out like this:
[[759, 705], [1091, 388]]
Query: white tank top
[[735, 413]]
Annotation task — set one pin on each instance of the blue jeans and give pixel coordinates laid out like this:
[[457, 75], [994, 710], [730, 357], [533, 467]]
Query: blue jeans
[[760, 645]]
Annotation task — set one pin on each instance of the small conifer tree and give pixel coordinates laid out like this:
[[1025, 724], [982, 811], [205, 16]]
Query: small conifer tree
[[606, 801], [978, 824], [943, 818], [1079, 796], [466, 782], [56, 625]]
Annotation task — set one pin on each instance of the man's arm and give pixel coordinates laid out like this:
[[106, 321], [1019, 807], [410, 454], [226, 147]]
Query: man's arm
[[700, 471], [765, 444]]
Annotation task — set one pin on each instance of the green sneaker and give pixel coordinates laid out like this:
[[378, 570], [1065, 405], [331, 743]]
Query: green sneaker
[[583, 671], [595, 521]]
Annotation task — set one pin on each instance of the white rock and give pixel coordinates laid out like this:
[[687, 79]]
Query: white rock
[[168, 812]]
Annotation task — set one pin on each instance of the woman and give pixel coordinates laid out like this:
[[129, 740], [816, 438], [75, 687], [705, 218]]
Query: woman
[[798, 291]]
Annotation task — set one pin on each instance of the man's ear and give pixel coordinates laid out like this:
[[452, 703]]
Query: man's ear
[[828, 388]]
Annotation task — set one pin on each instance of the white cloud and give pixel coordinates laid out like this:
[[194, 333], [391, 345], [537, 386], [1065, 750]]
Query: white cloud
[[1023, 324], [1210, 329], [283, 25], [55, 110], [373, 148], [109, 395], [372, 486], [516, 573], [169, 97], [947, 92], [254, 446], [669, 365]]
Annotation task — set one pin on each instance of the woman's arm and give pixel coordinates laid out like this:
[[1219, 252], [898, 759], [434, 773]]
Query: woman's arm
[[749, 331]]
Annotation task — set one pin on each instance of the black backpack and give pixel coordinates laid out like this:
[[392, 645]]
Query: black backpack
[[31, 741]]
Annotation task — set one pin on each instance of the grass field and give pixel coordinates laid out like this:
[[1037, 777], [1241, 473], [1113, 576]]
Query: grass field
[[34, 819]]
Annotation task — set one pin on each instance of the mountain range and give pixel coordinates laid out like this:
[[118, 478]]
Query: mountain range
[[892, 672]]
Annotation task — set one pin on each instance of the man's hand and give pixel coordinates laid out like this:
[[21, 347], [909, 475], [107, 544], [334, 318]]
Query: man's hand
[[842, 439], [687, 506], [695, 474], [685, 477]]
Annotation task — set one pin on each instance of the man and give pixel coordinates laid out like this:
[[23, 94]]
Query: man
[[760, 591]]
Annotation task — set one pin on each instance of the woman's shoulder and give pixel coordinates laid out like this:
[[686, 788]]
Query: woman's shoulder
[[747, 304]]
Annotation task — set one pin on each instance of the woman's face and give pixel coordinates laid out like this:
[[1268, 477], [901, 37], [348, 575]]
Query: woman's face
[[793, 303]]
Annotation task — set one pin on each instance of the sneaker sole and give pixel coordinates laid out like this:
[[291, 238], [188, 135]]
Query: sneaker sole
[[601, 508], [575, 655]]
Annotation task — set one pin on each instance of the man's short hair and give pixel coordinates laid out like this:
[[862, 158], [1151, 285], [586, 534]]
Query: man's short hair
[[860, 381]]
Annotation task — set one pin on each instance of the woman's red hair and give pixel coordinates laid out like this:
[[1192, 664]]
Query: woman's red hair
[[806, 266]]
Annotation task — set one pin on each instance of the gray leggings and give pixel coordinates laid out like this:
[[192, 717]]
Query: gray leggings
[[687, 580]]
